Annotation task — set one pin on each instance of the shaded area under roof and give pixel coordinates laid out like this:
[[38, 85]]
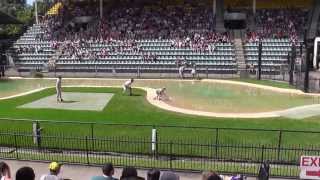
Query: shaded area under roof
[[7, 19]]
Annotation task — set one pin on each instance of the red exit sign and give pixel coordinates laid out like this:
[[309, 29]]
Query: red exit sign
[[310, 167]]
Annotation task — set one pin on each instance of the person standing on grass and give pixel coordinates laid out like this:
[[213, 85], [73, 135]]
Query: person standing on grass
[[181, 72], [127, 86], [59, 89], [107, 171], [193, 72]]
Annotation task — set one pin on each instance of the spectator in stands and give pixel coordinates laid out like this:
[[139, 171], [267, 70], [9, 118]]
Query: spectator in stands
[[130, 173], [5, 173], [107, 171], [54, 169], [25, 173], [169, 176], [153, 174]]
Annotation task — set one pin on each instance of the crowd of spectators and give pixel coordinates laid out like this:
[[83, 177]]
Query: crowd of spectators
[[185, 26], [128, 173], [278, 23]]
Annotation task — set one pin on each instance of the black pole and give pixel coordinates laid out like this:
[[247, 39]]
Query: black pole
[[290, 68], [259, 60], [292, 63], [306, 75]]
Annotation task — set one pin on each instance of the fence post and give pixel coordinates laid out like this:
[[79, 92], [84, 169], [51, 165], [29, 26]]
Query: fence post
[[92, 135], [87, 151], [217, 141], [279, 144], [154, 142], [16, 146], [171, 155], [262, 154]]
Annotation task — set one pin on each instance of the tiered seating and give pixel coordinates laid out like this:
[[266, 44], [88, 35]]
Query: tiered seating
[[221, 60], [274, 54], [27, 57]]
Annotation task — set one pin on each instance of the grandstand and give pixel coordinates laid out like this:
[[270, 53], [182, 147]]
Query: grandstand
[[231, 126], [160, 37]]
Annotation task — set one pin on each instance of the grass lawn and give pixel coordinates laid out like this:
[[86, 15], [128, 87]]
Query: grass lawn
[[133, 110], [124, 109]]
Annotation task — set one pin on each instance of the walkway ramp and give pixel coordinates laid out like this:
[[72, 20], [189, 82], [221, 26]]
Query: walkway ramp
[[301, 112]]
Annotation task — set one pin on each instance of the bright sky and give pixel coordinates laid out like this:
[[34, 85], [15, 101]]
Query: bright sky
[[30, 2]]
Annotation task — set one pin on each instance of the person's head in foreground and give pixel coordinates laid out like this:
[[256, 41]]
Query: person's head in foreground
[[59, 77], [25, 173], [153, 174], [4, 171], [210, 175], [132, 80], [129, 172], [108, 170], [54, 168], [169, 176]]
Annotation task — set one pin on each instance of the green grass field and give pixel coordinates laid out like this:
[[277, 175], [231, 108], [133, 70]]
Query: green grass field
[[136, 110], [133, 110]]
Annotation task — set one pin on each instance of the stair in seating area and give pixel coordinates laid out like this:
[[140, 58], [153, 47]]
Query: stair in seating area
[[239, 53]]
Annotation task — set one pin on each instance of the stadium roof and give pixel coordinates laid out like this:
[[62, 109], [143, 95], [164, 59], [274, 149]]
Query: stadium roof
[[7, 19]]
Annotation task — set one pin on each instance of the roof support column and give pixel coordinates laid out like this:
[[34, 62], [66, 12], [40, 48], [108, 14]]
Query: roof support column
[[214, 7], [254, 6], [101, 9], [36, 11]]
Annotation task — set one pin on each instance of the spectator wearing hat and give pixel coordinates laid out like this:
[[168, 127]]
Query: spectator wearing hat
[[25, 173], [107, 171], [54, 169]]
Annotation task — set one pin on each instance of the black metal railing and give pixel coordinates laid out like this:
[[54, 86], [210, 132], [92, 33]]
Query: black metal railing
[[138, 152], [228, 150]]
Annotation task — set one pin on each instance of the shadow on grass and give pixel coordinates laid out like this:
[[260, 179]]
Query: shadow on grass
[[69, 101]]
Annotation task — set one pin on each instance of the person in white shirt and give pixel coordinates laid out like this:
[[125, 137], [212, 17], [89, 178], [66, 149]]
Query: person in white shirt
[[160, 93], [127, 86], [181, 72], [59, 89], [193, 72]]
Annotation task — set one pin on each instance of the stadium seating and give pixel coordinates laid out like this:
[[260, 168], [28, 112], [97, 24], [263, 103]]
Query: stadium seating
[[222, 60], [274, 54]]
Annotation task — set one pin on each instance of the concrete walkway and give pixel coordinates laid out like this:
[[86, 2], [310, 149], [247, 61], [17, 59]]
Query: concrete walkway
[[78, 172]]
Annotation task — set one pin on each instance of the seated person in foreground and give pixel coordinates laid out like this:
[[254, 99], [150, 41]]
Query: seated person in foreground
[[108, 172], [130, 173]]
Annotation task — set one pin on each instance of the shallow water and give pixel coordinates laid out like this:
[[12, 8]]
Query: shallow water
[[195, 95]]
